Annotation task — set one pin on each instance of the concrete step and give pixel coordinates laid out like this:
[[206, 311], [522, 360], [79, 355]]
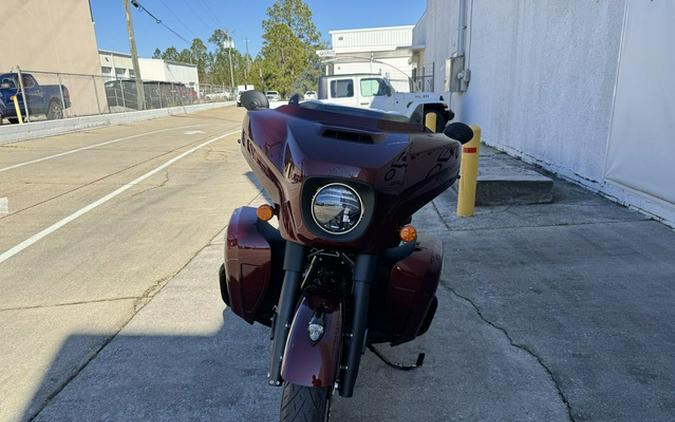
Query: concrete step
[[504, 180]]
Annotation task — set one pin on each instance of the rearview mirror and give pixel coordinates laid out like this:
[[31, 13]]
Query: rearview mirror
[[459, 131], [254, 100]]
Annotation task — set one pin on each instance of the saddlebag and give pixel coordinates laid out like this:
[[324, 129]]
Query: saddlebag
[[251, 276], [410, 297]]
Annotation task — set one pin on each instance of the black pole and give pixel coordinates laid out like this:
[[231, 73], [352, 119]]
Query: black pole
[[364, 271], [294, 259]]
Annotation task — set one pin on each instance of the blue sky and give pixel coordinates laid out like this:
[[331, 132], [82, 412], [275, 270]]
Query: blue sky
[[198, 18]]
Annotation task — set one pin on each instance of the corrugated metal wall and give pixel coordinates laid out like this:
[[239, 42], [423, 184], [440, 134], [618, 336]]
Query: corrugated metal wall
[[372, 38]]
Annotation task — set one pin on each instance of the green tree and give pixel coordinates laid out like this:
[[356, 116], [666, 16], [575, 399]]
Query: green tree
[[296, 15], [288, 60], [200, 57], [220, 70], [157, 54], [170, 54], [185, 56]]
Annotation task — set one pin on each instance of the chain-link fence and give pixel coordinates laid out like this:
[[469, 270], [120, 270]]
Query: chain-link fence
[[51, 95]]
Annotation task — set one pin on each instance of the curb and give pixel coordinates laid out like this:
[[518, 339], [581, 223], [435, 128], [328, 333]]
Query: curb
[[17, 133]]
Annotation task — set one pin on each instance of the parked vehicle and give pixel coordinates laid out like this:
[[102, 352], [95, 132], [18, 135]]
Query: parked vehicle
[[375, 92], [273, 95], [158, 94], [310, 95], [345, 270], [121, 93], [41, 99], [241, 89]]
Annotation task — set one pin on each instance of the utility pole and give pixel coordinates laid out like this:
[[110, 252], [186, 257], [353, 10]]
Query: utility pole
[[248, 62], [140, 93], [229, 44]]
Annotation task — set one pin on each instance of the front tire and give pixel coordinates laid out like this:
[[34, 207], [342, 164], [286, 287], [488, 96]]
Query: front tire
[[306, 404]]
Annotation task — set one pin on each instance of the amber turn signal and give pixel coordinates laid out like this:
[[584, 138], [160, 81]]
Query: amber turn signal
[[408, 233], [265, 212]]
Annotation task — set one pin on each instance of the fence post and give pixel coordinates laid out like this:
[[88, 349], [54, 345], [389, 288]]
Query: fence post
[[173, 94], [433, 75], [63, 101], [23, 93], [98, 103], [124, 103], [159, 93]]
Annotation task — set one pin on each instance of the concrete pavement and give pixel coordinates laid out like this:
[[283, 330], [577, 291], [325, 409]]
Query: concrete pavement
[[186, 357], [584, 286], [547, 312], [95, 272]]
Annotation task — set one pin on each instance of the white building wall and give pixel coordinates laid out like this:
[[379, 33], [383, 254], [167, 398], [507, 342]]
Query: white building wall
[[152, 69], [121, 66], [371, 39], [117, 64], [551, 82], [437, 32], [176, 72], [383, 50], [641, 146], [542, 79]]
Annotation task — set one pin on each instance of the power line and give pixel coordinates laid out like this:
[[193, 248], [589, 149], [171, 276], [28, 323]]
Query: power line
[[211, 14], [158, 20], [198, 17], [180, 21]]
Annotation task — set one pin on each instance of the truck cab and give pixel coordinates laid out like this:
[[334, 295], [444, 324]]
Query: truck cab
[[376, 92], [49, 100]]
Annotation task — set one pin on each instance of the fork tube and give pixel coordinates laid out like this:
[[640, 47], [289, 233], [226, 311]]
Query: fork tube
[[294, 259], [364, 271]]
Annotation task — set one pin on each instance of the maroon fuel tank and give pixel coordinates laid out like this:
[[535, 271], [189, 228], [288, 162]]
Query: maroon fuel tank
[[395, 166]]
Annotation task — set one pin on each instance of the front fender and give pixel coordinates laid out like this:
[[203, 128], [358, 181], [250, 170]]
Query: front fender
[[308, 364]]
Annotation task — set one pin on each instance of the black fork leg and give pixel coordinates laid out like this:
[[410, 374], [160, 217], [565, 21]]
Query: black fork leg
[[293, 266], [364, 272]]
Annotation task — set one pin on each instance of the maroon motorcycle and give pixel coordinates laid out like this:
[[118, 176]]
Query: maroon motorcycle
[[345, 270]]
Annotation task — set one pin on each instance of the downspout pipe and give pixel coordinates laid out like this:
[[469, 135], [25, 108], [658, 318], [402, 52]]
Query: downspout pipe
[[456, 98]]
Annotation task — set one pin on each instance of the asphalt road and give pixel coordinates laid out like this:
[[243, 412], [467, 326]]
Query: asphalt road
[[94, 224]]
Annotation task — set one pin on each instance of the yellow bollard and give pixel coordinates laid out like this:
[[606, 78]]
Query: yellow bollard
[[430, 121], [17, 109], [468, 175]]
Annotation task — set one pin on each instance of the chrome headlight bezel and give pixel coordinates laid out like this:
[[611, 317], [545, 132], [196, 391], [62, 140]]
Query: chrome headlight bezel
[[354, 192]]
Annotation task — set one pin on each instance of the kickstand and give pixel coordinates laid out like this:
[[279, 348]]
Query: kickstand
[[383, 358]]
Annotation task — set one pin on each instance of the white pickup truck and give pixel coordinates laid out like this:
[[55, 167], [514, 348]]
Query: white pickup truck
[[375, 92]]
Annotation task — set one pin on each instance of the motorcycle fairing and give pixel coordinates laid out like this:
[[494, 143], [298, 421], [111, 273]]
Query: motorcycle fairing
[[404, 166]]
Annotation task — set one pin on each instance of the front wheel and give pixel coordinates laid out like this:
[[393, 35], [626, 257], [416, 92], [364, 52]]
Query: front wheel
[[306, 404]]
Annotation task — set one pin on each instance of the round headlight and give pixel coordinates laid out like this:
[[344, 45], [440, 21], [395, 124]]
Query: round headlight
[[337, 208]]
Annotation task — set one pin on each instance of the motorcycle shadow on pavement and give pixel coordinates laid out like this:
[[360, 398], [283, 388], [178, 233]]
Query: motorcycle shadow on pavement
[[471, 372]]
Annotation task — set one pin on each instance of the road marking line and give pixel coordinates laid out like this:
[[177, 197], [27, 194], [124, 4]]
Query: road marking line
[[79, 213], [72, 151], [4, 206], [193, 132]]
